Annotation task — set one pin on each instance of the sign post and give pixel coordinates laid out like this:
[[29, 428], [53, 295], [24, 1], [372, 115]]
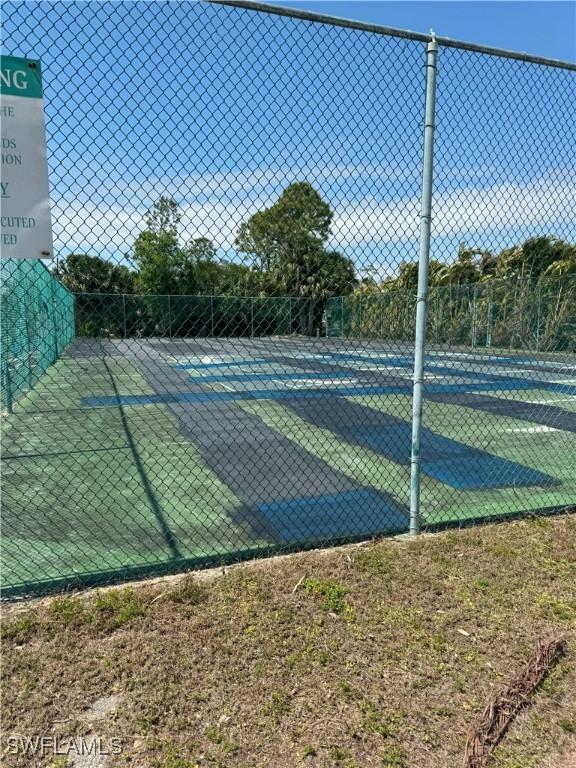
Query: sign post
[[26, 228]]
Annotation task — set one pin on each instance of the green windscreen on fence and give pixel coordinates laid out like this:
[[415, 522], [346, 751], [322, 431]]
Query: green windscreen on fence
[[37, 324]]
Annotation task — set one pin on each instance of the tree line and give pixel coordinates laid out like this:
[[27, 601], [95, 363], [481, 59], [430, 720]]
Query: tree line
[[284, 251], [283, 247]]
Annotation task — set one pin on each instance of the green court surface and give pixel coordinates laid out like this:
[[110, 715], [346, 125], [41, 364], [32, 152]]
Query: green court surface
[[441, 503], [504, 436], [146, 480], [95, 491]]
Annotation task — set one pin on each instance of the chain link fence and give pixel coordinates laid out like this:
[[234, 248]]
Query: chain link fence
[[37, 325], [219, 362], [511, 314]]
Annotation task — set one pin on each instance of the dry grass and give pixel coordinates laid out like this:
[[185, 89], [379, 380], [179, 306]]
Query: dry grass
[[383, 656]]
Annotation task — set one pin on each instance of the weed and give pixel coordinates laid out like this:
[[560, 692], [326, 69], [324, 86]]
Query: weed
[[60, 762], [20, 629], [394, 757], [146, 722], [563, 609], [331, 594], [337, 754], [284, 615], [216, 736], [278, 705], [482, 585], [172, 757], [321, 657], [29, 681], [438, 643], [117, 607], [297, 683], [68, 611], [374, 721], [189, 591], [374, 560], [200, 697], [567, 725], [539, 522]]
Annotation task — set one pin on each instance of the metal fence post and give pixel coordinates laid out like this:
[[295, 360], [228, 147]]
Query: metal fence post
[[54, 324], [489, 314], [538, 316], [7, 384], [169, 317], [474, 317], [124, 315], [29, 372], [422, 298]]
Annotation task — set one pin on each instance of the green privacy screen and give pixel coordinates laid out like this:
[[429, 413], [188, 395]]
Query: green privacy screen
[[37, 324]]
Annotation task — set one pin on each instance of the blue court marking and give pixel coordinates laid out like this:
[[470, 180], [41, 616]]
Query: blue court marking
[[265, 376], [280, 394], [478, 472], [272, 360], [432, 367], [453, 368], [341, 515], [502, 361], [473, 359], [229, 364], [271, 376], [450, 462]]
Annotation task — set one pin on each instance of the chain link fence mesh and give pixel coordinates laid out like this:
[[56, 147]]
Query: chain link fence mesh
[[236, 201], [37, 325], [504, 220]]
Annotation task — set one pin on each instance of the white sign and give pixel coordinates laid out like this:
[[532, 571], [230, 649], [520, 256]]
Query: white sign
[[25, 224]]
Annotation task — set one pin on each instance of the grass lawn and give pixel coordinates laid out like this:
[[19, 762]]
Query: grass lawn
[[376, 655]]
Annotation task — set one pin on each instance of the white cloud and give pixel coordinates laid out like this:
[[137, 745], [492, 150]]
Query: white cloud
[[543, 204]]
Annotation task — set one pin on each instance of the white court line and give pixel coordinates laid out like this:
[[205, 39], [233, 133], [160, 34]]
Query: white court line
[[557, 400], [487, 359], [516, 370], [300, 383], [376, 367], [533, 430], [360, 353], [302, 356]]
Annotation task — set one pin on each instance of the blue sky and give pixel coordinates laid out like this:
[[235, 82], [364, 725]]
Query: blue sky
[[223, 108], [540, 28]]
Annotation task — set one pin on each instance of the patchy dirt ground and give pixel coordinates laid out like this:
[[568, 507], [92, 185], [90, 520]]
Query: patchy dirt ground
[[381, 655]]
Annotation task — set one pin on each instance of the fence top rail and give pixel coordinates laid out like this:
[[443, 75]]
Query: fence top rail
[[193, 296], [447, 42]]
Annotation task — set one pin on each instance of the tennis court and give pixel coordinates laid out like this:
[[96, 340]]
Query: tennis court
[[148, 455]]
